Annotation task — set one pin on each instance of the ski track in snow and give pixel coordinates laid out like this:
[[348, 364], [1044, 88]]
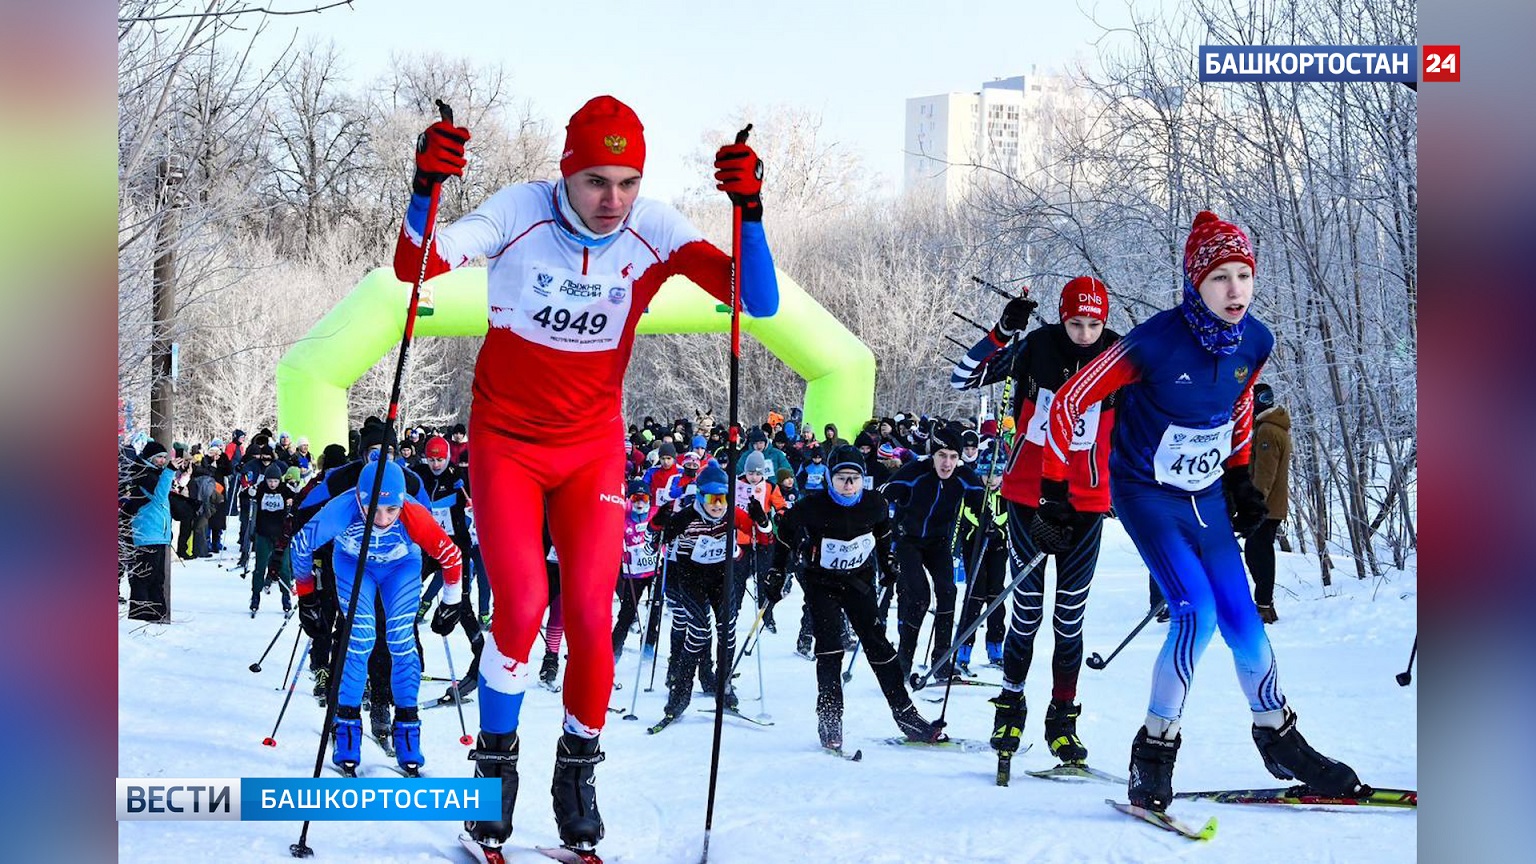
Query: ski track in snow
[[189, 707]]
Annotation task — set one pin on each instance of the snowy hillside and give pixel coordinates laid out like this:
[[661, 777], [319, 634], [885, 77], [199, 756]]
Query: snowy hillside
[[189, 707]]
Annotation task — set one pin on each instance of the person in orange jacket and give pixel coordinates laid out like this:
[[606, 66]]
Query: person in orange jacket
[[757, 547]]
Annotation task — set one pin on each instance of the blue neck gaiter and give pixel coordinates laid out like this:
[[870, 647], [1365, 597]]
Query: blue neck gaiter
[[1214, 334], [846, 500]]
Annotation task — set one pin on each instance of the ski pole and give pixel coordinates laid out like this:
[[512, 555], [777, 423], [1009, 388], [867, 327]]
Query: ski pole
[[658, 603], [1406, 676], [634, 695], [970, 591], [256, 667], [1097, 662], [854, 655], [338, 661], [747, 644], [762, 697], [271, 740], [918, 682], [848, 673], [970, 322], [733, 441], [458, 701], [291, 653]]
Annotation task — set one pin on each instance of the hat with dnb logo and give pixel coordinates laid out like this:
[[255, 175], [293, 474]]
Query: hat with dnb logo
[[1086, 297]]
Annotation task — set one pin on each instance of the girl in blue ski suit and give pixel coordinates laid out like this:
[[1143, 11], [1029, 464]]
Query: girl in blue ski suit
[[1179, 478], [402, 529]]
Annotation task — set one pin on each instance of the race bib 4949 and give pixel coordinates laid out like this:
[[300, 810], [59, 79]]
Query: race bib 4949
[[568, 311], [1191, 459]]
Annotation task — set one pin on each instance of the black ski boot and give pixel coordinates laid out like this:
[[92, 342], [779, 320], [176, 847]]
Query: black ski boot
[[731, 702], [680, 691], [1151, 781], [322, 678], [830, 727], [575, 792], [495, 755], [916, 728], [1008, 722], [707, 681], [549, 670], [466, 687], [1288, 756], [1061, 732], [380, 723]]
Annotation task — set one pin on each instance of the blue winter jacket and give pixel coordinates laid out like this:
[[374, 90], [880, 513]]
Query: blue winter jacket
[[152, 522]]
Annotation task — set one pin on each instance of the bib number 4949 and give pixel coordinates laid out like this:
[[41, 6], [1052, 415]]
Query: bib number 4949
[[560, 320]]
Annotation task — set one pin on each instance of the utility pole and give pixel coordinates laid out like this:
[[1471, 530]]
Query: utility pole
[[162, 388], [162, 392]]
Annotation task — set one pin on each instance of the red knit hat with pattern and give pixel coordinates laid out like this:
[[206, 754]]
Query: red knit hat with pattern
[[436, 448], [1084, 296], [1212, 243], [604, 131]]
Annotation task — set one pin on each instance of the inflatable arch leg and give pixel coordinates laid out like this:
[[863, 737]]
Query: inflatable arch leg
[[314, 375]]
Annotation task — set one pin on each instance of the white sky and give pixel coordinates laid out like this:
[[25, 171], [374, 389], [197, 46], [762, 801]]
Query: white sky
[[684, 65]]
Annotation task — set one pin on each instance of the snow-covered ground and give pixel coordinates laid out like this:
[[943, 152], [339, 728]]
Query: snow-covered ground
[[189, 707]]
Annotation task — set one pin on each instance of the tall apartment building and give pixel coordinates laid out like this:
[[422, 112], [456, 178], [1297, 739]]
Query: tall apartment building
[[953, 139]]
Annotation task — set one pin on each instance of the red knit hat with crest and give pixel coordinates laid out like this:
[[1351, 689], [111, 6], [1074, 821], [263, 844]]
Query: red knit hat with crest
[[1212, 243], [604, 131], [1084, 296], [436, 448]]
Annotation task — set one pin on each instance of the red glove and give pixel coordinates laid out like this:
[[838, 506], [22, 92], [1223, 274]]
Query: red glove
[[739, 173], [439, 155]]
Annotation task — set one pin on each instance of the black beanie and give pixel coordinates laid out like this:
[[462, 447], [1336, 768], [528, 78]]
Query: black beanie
[[844, 457], [333, 455], [944, 438], [666, 449], [372, 433], [273, 472], [151, 449], [1263, 398]]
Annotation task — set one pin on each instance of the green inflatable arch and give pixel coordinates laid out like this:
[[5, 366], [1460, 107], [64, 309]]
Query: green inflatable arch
[[314, 375]]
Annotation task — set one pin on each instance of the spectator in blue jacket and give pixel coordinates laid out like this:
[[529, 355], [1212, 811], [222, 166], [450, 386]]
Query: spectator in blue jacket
[[149, 505]]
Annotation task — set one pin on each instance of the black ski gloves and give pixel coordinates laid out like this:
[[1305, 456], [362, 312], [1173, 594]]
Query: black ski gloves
[[1015, 318], [310, 620], [1051, 528], [756, 512], [1245, 503], [445, 618], [775, 586]]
